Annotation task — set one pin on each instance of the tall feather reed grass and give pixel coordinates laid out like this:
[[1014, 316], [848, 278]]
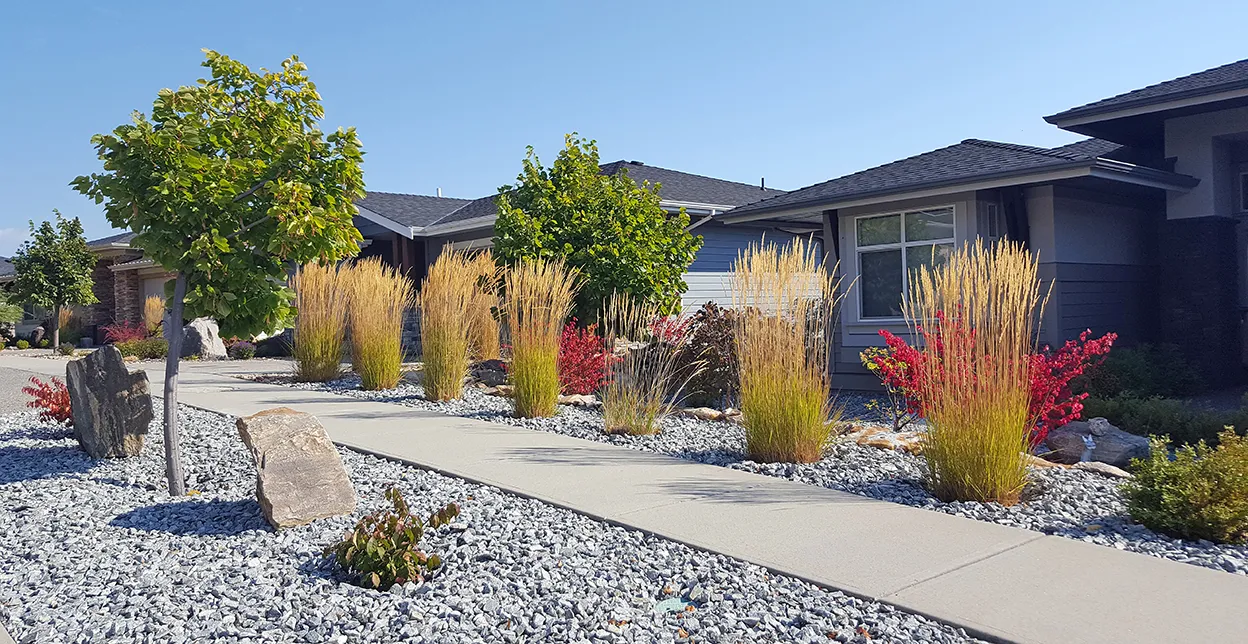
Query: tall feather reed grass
[[451, 299], [784, 297], [320, 321], [153, 313], [485, 343], [644, 374], [976, 315], [537, 300], [380, 297]]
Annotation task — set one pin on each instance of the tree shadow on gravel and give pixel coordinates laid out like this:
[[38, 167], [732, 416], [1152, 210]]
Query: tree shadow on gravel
[[202, 518], [30, 463]]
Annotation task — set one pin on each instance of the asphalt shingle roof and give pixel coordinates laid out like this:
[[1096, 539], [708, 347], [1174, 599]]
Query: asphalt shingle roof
[[1210, 81], [6, 267], [119, 238], [674, 186], [410, 210], [963, 161]]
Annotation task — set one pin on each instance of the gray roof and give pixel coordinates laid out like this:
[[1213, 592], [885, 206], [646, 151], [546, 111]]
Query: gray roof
[[119, 238], [1211, 81], [673, 186], [410, 210], [6, 267], [970, 159]]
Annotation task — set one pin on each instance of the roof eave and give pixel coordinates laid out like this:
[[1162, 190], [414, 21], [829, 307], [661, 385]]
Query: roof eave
[[1082, 116], [1100, 168], [385, 222]]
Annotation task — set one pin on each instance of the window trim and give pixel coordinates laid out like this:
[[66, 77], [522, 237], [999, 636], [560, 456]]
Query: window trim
[[900, 245]]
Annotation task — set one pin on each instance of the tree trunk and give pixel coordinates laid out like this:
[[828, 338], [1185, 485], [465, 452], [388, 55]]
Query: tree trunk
[[173, 334], [56, 327]]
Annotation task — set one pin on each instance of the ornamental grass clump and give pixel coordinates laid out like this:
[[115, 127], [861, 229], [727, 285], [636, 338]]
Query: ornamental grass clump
[[976, 316], [485, 343], [451, 299], [643, 379], [379, 297], [321, 322], [784, 297], [537, 298], [153, 313], [384, 548], [1201, 494]]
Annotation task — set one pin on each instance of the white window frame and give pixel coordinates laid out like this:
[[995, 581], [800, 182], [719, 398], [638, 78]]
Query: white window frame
[[902, 245]]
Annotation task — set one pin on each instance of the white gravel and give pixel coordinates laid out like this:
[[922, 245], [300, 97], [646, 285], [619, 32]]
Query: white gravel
[[96, 551], [1068, 503]]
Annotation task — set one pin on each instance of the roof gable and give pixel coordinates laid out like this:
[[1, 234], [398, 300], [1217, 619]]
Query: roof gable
[[415, 211]]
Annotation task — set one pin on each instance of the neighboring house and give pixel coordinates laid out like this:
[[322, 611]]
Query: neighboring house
[[414, 228], [1141, 228], [408, 231]]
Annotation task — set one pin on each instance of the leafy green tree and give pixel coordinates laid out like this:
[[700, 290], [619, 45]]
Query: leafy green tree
[[9, 313], [227, 184], [607, 226], [54, 269]]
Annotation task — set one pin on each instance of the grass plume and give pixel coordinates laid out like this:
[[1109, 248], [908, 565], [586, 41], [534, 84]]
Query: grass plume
[[976, 316], [643, 377], [452, 297], [784, 297], [320, 322], [485, 344], [380, 297], [537, 299], [153, 313]]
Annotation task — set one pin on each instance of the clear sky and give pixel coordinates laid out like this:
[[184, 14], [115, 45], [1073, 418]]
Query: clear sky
[[448, 94]]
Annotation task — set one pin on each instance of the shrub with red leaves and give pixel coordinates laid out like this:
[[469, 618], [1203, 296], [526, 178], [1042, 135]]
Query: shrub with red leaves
[[51, 399], [125, 332], [582, 359], [1053, 403]]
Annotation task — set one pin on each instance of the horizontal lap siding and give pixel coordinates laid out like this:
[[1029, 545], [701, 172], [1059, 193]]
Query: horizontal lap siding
[[1105, 298], [709, 277]]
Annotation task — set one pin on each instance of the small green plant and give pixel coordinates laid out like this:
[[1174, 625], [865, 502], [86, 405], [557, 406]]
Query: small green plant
[[1183, 423], [149, 349], [1143, 371], [242, 350], [1201, 494], [384, 548], [23, 344], [43, 344], [66, 349]]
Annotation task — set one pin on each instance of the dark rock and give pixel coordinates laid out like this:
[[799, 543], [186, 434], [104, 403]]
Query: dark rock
[[490, 373], [36, 336], [112, 407], [277, 346], [299, 474], [1112, 445]]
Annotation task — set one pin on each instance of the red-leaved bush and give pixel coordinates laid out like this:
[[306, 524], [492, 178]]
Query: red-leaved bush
[[671, 329], [1053, 403], [125, 332], [582, 359], [51, 399]]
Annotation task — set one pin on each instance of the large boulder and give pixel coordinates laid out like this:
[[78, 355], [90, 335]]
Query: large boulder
[[200, 338], [299, 475], [1109, 444], [111, 406]]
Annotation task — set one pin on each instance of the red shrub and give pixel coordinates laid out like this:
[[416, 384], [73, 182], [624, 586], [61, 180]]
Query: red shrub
[[51, 399], [1053, 404], [582, 359], [125, 332], [671, 328]]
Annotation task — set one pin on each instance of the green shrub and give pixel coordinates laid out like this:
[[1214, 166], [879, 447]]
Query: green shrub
[[1143, 371], [149, 349], [241, 350], [66, 349], [1201, 494], [383, 549], [43, 344], [1157, 416], [23, 344]]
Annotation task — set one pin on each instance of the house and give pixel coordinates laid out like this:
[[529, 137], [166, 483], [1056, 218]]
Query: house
[[1140, 228], [408, 231]]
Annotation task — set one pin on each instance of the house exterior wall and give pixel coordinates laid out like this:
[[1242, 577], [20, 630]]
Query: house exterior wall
[[102, 312], [1098, 251], [709, 278], [127, 291]]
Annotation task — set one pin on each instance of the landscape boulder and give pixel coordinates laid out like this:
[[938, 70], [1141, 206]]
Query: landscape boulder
[[111, 406], [299, 475], [1110, 444], [200, 338], [490, 373]]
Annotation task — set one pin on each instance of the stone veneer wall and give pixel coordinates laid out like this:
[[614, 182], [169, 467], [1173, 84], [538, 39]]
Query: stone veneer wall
[[128, 296], [102, 312], [1199, 299]]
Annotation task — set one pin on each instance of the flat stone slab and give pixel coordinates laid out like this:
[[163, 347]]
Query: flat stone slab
[[997, 582]]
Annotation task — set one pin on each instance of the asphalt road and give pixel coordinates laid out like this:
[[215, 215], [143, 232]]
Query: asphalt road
[[11, 397]]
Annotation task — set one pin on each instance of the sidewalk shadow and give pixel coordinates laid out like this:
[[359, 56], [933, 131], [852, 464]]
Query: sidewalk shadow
[[201, 518], [30, 463]]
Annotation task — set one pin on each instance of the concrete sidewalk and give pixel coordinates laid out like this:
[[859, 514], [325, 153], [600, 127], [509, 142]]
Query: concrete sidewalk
[[997, 582]]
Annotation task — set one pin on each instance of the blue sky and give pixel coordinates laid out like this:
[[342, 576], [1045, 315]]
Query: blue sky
[[449, 94]]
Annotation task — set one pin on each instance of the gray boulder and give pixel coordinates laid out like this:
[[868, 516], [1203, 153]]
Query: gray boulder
[[1111, 445], [299, 475], [111, 406], [200, 338], [490, 373]]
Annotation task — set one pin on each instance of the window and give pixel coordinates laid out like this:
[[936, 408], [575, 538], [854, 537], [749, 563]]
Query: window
[[890, 247]]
